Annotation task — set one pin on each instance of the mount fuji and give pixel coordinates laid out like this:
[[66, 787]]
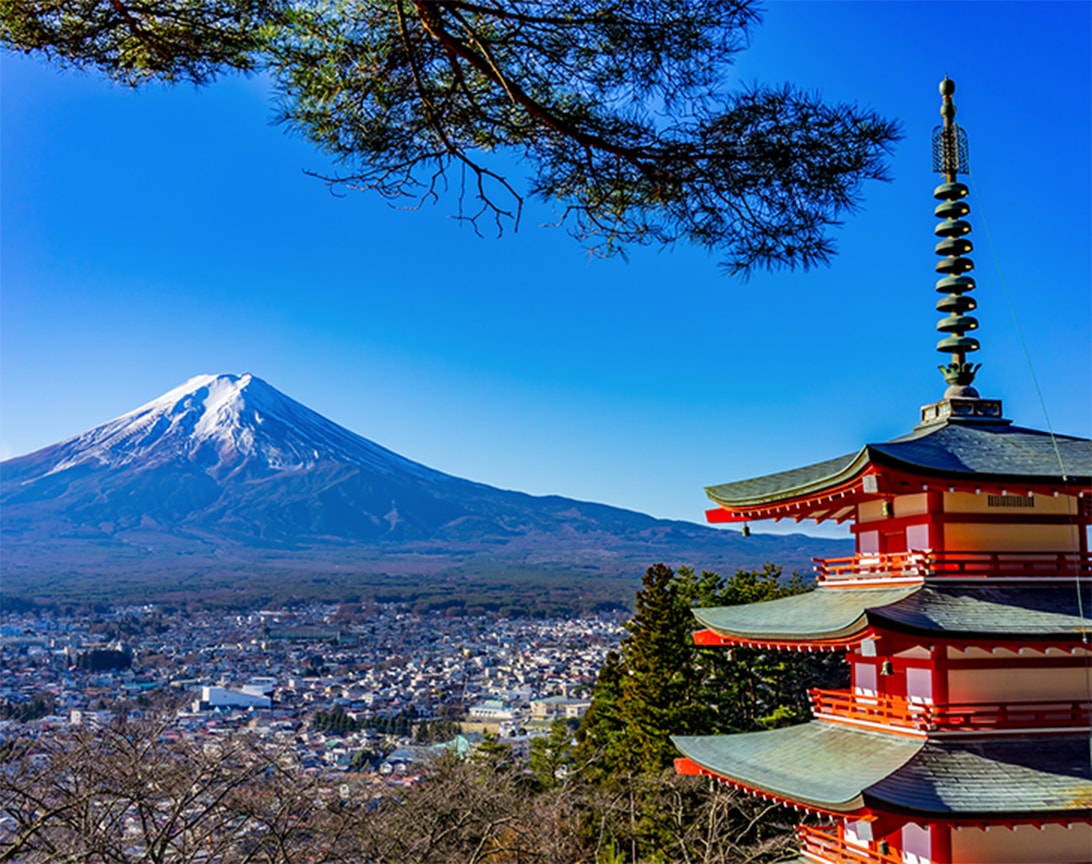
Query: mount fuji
[[225, 468]]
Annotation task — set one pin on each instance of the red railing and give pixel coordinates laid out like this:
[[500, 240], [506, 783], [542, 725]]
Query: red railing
[[885, 710], [1012, 715], [897, 564], [950, 717], [918, 565], [824, 844]]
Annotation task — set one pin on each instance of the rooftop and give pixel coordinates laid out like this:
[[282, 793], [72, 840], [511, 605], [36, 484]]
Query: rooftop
[[1050, 611], [954, 450], [833, 768]]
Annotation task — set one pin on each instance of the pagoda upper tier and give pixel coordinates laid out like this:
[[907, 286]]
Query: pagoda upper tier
[[963, 496], [990, 612], [955, 455]]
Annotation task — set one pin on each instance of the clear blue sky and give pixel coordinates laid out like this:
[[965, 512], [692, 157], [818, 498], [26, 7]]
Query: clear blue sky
[[153, 235]]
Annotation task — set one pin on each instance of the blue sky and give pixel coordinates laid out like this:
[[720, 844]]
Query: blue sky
[[150, 236]]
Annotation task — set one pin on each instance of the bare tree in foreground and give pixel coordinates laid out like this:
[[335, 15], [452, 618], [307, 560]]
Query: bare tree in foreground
[[127, 793], [135, 792]]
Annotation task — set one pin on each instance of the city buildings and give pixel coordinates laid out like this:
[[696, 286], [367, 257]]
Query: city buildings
[[387, 670]]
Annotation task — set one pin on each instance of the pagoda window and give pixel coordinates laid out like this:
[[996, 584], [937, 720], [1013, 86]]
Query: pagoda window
[[1009, 535], [917, 538], [871, 511], [911, 505], [864, 679], [858, 834], [1024, 683], [917, 847], [1022, 844], [919, 684], [868, 543]]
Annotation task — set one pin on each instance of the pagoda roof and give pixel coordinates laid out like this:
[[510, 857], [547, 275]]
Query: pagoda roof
[[837, 769], [992, 610], [1047, 611], [955, 450], [1027, 775], [825, 613]]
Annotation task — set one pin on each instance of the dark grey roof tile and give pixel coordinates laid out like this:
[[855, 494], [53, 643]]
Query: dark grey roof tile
[[988, 451], [838, 768], [1033, 775], [1049, 610]]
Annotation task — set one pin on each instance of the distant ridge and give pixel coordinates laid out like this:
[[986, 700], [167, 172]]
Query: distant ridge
[[226, 471]]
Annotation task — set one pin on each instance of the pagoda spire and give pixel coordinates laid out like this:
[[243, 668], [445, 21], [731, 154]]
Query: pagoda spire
[[961, 400], [949, 160]]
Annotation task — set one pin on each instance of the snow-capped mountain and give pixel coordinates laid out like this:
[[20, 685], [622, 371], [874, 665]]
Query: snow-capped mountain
[[229, 425], [227, 466]]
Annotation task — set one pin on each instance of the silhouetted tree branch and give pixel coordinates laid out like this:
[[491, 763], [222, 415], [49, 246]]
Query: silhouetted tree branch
[[619, 111]]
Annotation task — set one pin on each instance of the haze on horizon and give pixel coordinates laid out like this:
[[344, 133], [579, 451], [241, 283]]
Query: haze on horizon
[[147, 237]]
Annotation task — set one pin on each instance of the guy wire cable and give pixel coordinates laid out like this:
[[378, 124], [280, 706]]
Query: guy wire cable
[[1074, 521]]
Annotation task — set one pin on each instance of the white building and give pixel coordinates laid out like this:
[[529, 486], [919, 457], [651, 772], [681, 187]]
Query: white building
[[221, 697]]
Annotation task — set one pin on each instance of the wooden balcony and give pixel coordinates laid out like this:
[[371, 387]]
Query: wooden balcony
[[825, 846], [906, 566], [897, 713]]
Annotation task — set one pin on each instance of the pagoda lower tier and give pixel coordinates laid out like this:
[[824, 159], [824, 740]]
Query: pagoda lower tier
[[968, 720], [1012, 799]]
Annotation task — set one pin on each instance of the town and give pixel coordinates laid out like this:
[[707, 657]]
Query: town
[[371, 688]]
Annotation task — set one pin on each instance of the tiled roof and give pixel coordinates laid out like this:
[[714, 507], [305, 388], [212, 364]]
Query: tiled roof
[[771, 487], [836, 768], [988, 450], [1047, 611], [1029, 775], [819, 764], [992, 610], [823, 613], [953, 449]]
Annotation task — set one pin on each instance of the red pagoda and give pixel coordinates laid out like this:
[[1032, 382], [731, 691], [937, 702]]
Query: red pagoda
[[965, 615]]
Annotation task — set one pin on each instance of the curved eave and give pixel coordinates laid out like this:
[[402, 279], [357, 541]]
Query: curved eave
[[711, 639], [817, 765], [835, 769], [957, 454], [825, 617], [786, 486], [833, 618]]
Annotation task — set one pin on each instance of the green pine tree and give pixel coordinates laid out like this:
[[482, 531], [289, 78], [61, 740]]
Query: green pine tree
[[551, 755], [492, 754], [602, 726], [660, 685]]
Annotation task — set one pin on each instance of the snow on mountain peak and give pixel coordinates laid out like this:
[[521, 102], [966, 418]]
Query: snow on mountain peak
[[227, 424]]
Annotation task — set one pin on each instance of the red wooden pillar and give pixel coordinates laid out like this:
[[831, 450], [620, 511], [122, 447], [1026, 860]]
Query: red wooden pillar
[[941, 839], [940, 674]]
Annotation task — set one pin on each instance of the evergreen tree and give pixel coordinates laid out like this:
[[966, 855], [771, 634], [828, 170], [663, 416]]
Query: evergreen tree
[[747, 688], [660, 684], [598, 737], [551, 755], [493, 755], [663, 685]]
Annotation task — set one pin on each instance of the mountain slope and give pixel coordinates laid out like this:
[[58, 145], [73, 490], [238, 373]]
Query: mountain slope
[[228, 468]]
